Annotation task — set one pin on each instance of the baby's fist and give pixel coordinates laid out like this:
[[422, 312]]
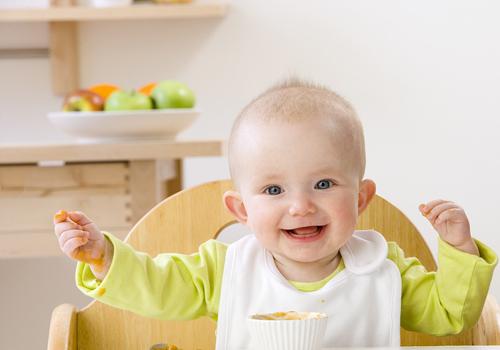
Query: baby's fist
[[451, 222], [78, 237]]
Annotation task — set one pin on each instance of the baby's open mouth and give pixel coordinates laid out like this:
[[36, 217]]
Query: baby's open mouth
[[305, 232]]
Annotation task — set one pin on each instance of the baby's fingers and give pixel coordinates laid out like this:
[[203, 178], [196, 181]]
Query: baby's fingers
[[70, 234], [426, 208], [71, 241], [437, 210], [450, 215], [86, 224], [80, 218], [62, 227]]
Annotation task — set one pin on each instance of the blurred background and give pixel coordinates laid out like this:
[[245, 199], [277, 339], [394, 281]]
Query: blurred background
[[424, 77]]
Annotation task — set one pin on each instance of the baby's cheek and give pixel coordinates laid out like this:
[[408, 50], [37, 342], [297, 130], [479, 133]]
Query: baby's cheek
[[257, 219], [346, 214], [261, 219]]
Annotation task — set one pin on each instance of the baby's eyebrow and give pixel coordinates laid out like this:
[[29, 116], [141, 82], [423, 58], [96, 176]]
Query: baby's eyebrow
[[326, 170], [269, 177]]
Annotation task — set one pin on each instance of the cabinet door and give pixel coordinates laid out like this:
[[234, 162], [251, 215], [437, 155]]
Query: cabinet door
[[30, 195]]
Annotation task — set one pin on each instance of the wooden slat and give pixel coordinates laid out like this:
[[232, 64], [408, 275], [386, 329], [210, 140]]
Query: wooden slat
[[22, 214], [75, 152], [135, 12], [22, 178], [39, 244]]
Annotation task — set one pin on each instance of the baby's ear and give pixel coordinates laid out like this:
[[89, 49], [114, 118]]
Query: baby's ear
[[367, 190], [234, 203]]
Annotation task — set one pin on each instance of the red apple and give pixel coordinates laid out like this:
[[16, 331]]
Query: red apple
[[83, 100]]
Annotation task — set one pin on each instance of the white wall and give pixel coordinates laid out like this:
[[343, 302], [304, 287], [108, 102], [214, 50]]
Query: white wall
[[423, 75]]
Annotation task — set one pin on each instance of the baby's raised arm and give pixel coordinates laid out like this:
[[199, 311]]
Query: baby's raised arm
[[80, 239]]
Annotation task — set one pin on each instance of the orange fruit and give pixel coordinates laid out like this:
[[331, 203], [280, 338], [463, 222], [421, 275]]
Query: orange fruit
[[146, 89], [103, 89]]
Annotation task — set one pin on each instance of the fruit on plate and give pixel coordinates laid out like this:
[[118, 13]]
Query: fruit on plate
[[104, 89], [121, 100], [146, 89], [173, 94], [83, 100]]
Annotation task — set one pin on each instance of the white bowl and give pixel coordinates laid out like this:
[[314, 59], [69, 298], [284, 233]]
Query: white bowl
[[306, 333], [124, 125]]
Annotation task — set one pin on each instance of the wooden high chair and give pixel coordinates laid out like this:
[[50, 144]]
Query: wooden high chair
[[180, 224]]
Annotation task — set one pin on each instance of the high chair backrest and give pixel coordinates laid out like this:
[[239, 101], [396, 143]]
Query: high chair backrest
[[180, 224]]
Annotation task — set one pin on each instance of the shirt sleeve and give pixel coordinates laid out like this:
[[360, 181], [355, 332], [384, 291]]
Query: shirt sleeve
[[449, 300], [168, 286]]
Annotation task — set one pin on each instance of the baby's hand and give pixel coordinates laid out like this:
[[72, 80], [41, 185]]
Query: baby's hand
[[451, 222], [80, 239]]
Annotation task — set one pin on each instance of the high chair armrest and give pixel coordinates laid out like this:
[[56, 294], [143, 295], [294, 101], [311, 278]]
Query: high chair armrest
[[487, 329], [62, 331]]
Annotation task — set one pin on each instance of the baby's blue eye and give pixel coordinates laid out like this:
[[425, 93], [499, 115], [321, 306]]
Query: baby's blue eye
[[273, 190], [323, 184]]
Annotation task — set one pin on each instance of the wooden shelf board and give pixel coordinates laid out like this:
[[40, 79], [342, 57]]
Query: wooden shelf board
[[81, 152], [134, 12]]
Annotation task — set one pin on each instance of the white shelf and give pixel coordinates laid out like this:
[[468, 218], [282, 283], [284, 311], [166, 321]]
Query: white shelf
[[134, 12]]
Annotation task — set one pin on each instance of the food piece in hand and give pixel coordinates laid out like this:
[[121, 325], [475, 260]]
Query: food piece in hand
[[61, 216], [173, 94], [84, 101], [125, 101]]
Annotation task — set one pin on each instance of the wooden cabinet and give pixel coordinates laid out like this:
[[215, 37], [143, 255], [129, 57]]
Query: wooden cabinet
[[30, 195], [115, 184], [63, 27]]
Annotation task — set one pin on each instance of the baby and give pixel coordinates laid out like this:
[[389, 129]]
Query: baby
[[297, 161]]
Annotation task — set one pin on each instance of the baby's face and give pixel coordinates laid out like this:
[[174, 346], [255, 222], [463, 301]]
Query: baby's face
[[300, 193]]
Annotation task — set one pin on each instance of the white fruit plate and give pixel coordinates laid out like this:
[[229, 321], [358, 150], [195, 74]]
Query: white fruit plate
[[124, 125]]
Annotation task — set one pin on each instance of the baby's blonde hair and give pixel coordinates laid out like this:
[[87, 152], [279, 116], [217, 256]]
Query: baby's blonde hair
[[295, 100]]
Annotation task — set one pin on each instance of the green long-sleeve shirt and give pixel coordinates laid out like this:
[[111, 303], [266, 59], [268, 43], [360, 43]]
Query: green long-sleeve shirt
[[177, 286]]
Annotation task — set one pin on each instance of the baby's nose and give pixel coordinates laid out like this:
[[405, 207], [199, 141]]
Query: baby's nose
[[301, 207]]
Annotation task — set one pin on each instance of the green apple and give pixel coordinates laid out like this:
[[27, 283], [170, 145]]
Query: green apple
[[121, 100], [83, 100], [173, 94]]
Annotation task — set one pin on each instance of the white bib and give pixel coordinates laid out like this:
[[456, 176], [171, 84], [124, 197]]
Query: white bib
[[363, 302]]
